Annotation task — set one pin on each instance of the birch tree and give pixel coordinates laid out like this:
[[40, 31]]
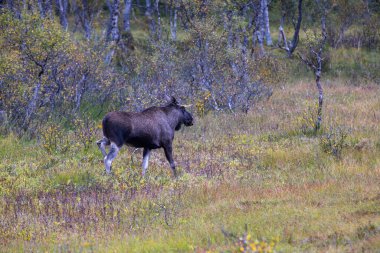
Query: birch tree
[[87, 16], [127, 15], [173, 19], [148, 9], [46, 8], [268, 37], [62, 10], [46, 73], [158, 23], [85, 12], [113, 33], [127, 38], [314, 59], [290, 47], [114, 21], [259, 31]]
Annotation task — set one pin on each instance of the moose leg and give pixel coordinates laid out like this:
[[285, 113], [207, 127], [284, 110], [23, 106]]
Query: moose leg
[[146, 154], [169, 156], [111, 155], [102, 145]]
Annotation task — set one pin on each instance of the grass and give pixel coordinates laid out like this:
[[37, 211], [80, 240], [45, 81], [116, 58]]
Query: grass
[[257, 169], [356, 65]]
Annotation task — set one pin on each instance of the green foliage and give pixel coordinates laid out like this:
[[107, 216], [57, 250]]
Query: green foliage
[[85, 131], [54, 139], [246, 244], [367, 231], [307, 119], [256, 246], [201, 103], [356, 66], [43, 72], [334, 141]]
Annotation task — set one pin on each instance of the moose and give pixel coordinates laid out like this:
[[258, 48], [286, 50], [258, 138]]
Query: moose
[[152, 128]]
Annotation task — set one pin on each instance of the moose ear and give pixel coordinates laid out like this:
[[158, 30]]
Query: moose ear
[[173, 101]]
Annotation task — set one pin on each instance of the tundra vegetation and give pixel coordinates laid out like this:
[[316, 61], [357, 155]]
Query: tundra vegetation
[[283, 156]]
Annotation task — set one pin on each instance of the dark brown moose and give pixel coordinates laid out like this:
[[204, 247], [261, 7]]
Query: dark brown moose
[[150, 129]]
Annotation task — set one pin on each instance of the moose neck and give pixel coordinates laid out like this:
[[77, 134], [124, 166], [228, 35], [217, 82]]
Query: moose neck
[[175, 118]]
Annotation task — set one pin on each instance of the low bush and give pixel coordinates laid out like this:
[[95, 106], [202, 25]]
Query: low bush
[[334, 141]]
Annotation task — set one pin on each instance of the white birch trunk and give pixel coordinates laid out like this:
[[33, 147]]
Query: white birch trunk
[[85, 18], [115, 34], [127, 15], [268, 36], [62, 8], [158, 20], [173, 20], [33, 103], [260, 30], [41, 8], [148, 11]]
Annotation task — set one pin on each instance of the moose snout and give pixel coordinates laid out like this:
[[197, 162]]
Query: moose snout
[[189, 122]]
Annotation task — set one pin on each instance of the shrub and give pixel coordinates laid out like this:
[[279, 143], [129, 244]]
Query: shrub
[[53, 139], [307, 119], [246, 244], [200, 104], [334, 141], [44, 74], [85, 131]]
